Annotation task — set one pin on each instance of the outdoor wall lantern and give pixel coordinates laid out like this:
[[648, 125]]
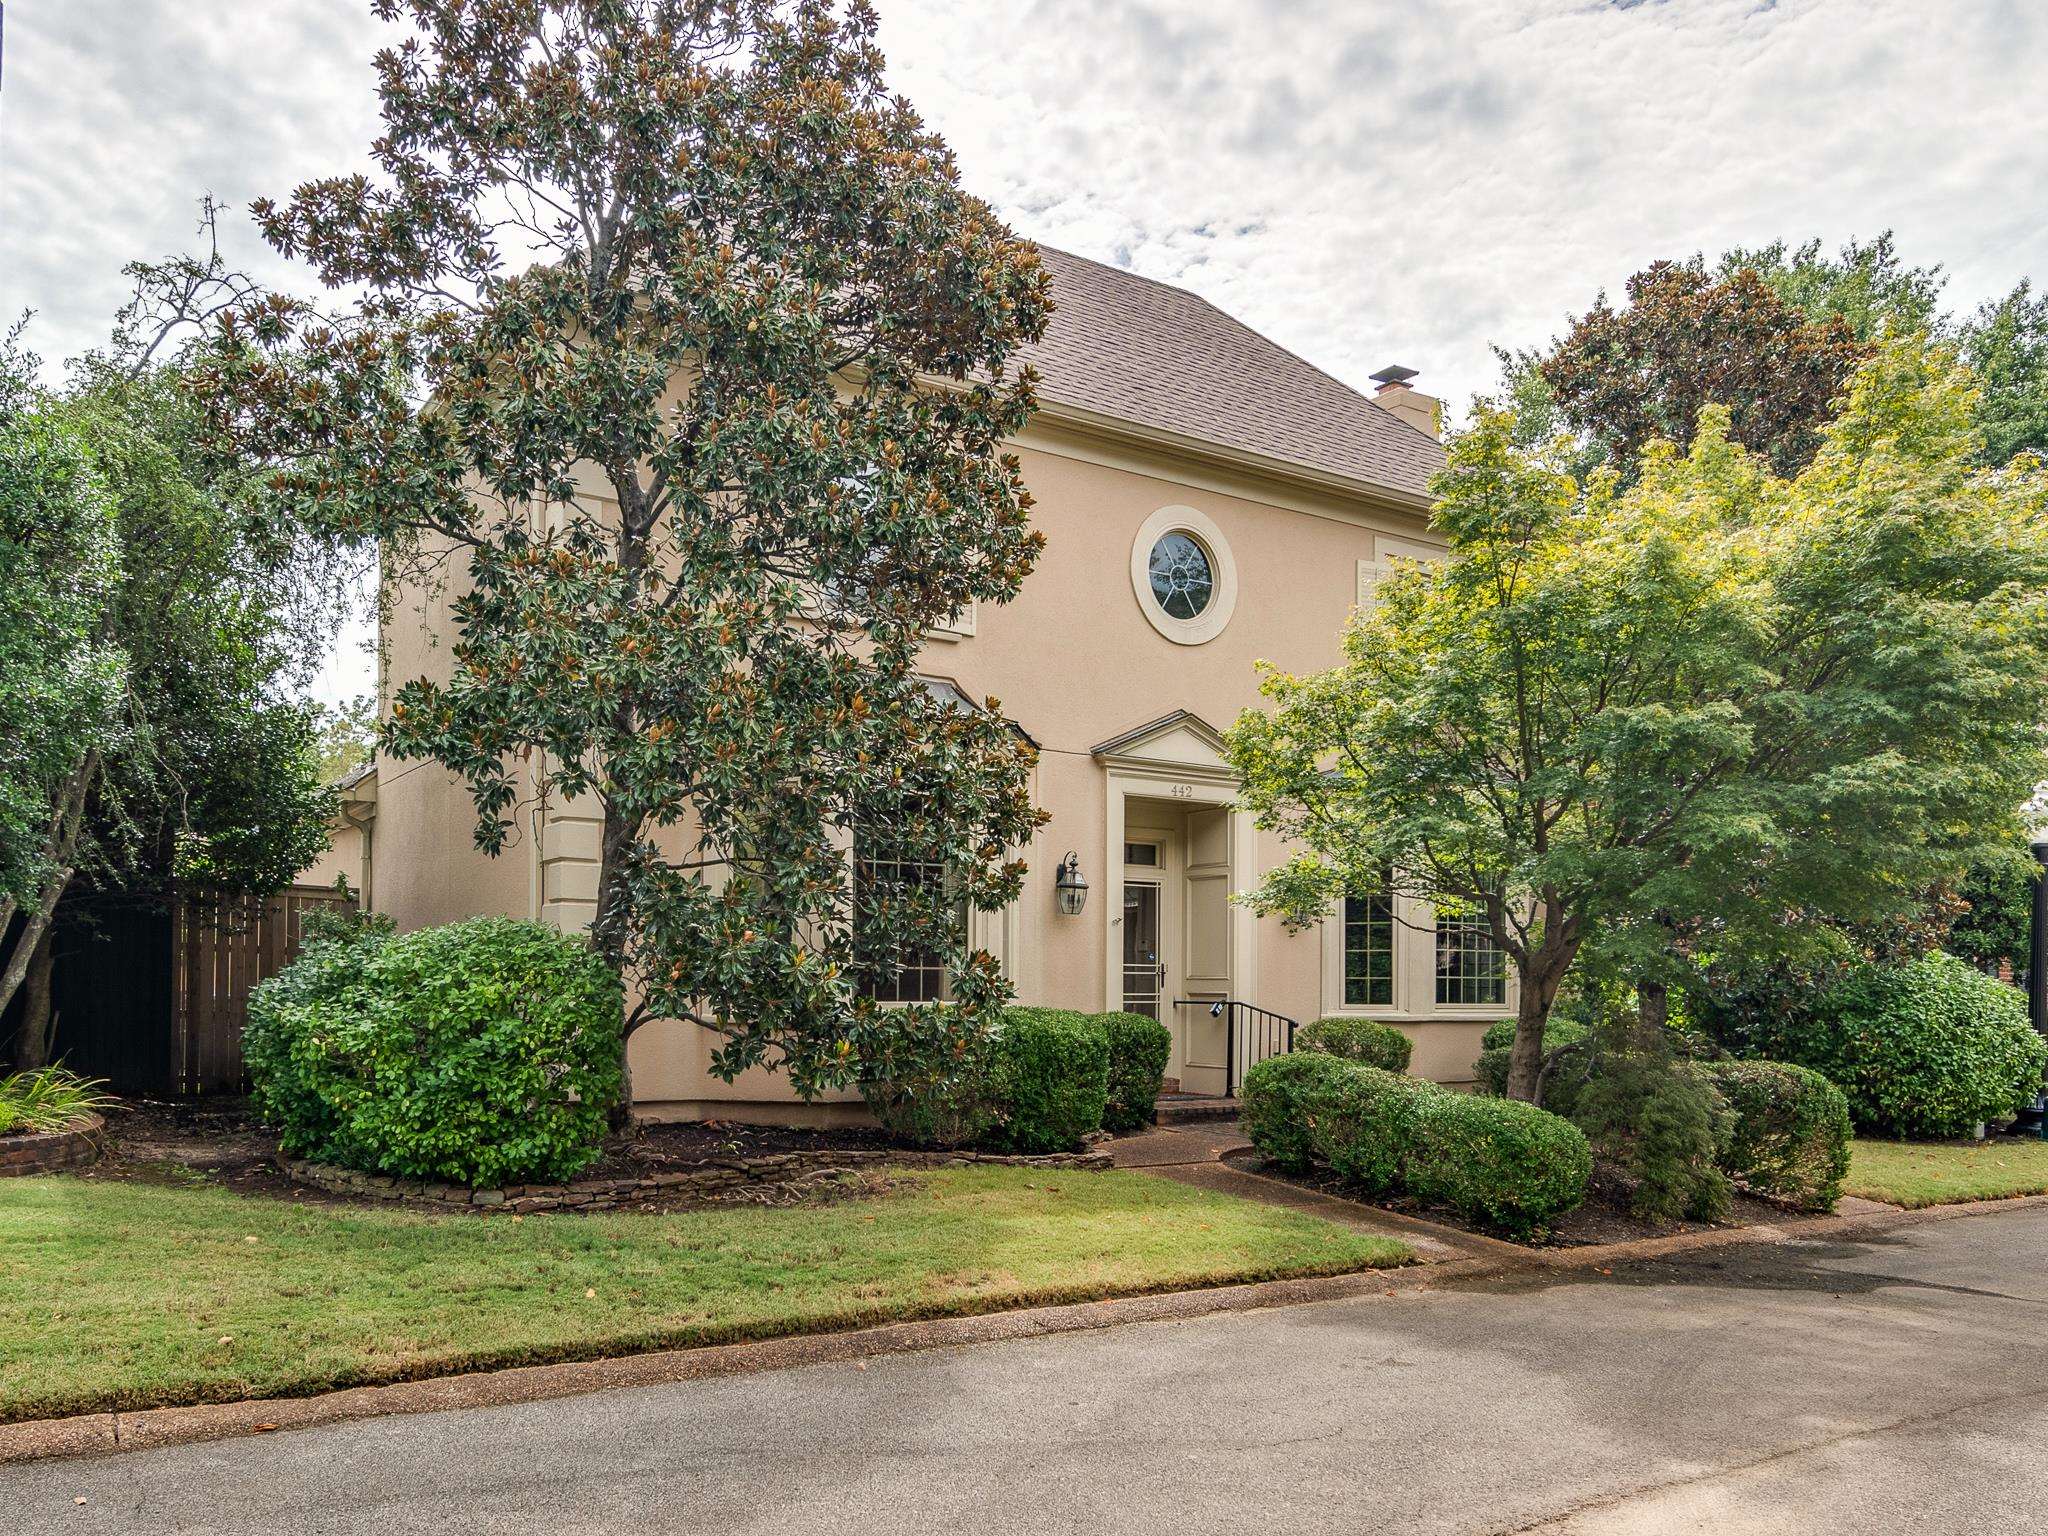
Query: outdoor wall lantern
[[1073, 890]]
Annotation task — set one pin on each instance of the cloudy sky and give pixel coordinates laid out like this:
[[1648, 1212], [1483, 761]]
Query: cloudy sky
[[1368, 181]]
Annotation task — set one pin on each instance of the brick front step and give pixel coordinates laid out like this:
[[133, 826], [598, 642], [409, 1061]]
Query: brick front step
[[1189, 1109]]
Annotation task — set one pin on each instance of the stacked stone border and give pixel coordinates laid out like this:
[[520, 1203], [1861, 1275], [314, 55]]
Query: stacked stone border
[[714, 1180], [52, 1151]]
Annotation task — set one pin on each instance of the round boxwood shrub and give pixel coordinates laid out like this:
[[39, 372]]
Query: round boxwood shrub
[[1274, 1114], [483, 1052], [1790, 1136], [1367, 1040], [1928, 1049], [1499, 1161], [1138, 1049], [1048, 1079], [1361, 1124]]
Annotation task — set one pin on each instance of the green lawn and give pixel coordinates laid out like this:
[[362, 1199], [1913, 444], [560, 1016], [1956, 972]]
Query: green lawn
[[1941, 1173], [121, 1295]]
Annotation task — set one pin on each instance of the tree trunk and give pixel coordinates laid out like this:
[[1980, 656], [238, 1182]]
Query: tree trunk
[[33, 932], [1525, 1058], [65, 823], [608, 933], [1653, 1012], [1542, 974], [32, 1044]]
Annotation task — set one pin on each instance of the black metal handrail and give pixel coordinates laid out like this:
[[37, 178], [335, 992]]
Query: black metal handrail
[[1267, 1033]]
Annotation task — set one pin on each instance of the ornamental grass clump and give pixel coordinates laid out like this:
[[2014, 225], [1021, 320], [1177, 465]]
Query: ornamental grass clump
[[47, 1099]]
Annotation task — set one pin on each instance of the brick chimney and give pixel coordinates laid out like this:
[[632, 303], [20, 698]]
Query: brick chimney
[[1395, 394]]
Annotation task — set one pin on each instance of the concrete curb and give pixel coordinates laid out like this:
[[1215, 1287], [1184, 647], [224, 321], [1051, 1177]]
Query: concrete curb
[[104, 1433]]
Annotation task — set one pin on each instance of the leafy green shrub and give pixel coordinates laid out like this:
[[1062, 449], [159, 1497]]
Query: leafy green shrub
[[1138, 1049], [47, 1099], [1275, 1114], [483, 1052], [334, 921], [1368, 1040], [1048, 1079], [297, 1020], [1790, 1136], [1663, 1125], [1497, 1160], [1928, 1049], [1361, 1123], [929, 1086]]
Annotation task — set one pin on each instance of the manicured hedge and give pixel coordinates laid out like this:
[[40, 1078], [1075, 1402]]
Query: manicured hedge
[[1275, 1113], [1048, 1079], [483, 1052], [1790, 1136], [1492, 1160], [1497, 1160], [1362, 1125], [1368, 1040], [1138, 1049], [1929, 1049]]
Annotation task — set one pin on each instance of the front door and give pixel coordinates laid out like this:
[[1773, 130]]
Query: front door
[[1148, 922], [1144, 969]]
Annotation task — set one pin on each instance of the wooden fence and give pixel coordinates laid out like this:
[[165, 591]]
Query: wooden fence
[[221, 947], [154, 1000]]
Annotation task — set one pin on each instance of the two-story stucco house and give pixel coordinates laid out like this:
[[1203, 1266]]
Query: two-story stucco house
[[1209, 500]]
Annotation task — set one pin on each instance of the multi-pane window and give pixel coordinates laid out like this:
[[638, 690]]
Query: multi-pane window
[[1471, 969], [1368, 951], [896, 974]]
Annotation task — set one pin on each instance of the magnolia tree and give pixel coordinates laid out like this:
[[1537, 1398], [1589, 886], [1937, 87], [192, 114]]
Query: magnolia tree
[[681, 334], [1717, 695]]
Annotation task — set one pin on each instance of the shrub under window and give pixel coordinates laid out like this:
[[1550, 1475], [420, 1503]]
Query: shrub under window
[[1048, 1079], [1367, 1040]]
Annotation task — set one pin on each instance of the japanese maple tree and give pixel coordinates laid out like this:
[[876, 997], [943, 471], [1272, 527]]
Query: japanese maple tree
[[678, 334], [1715, 696]]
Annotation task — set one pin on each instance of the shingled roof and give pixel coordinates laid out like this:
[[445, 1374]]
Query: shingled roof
[[1141, 351]]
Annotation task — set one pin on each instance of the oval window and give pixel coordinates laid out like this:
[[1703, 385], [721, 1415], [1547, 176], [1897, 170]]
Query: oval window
[[1183, 580]]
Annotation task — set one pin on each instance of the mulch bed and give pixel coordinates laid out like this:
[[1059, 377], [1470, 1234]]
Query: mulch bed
[[1604, 1216], [218, 1141]]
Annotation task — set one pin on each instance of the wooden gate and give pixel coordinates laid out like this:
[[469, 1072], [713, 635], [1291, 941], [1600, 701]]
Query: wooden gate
[[221, 947]]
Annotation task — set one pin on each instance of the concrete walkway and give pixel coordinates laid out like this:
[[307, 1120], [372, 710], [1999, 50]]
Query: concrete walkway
[[1896, 1383], [1192, 1154]]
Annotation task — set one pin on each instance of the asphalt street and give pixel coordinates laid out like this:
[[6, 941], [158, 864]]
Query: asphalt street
[[1894, 1384]]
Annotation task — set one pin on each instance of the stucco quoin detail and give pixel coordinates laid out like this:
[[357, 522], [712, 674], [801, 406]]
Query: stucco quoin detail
[[1210, 622]]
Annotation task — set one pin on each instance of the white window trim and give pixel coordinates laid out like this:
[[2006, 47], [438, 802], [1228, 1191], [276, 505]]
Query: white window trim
[[1333, 1004], [1210, 622]]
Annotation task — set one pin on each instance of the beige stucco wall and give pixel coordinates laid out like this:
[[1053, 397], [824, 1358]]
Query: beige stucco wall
[[342, 859], [1074, 662]]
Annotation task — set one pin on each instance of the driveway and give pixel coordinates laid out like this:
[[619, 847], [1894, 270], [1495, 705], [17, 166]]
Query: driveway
[[1886, 1385]]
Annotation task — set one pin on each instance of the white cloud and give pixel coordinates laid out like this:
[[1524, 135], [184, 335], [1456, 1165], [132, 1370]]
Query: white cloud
[[1369, 181]]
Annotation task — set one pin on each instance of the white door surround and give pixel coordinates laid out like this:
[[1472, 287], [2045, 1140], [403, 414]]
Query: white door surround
[[1175, 764]]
